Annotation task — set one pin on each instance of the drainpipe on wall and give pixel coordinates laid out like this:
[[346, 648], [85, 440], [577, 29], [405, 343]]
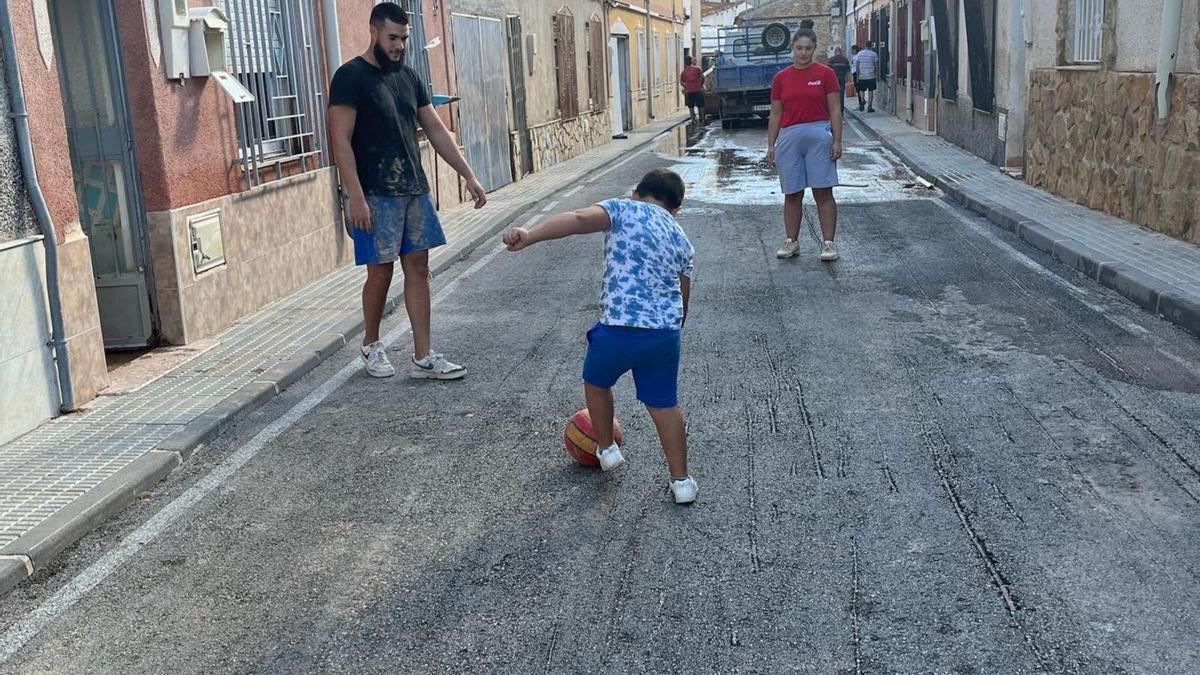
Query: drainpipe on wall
[[1018, 84], [20, 117], [649, 64], [910, 104], [1168, 47], [333, 40]]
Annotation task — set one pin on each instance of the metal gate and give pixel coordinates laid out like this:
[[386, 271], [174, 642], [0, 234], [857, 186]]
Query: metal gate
[[482, 112], [516, 70], [106, 179]]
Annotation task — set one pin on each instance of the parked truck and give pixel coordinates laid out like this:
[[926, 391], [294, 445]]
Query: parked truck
[[740, 62]]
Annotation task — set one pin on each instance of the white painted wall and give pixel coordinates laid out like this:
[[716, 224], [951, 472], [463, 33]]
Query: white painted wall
[[28, 381], [1043, 53], [1138, 23]]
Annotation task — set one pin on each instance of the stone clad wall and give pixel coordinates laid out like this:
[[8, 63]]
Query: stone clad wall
[[559, 141], [1092, 137]]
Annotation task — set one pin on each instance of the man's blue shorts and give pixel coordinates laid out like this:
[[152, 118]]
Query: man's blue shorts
[[652, 355], [399, 226]]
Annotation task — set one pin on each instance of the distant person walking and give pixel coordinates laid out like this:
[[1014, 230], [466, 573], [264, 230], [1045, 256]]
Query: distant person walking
[[841, 66], [858, 92], [692, 81], [804, 141], [867, 67]]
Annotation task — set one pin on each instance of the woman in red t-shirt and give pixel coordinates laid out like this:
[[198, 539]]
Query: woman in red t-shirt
[[804, 141]]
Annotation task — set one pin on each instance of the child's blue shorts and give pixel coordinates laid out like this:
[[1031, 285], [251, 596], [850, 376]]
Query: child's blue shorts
[[652, 355]]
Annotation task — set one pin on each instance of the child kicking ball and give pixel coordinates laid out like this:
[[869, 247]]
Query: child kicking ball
[[644, 303]]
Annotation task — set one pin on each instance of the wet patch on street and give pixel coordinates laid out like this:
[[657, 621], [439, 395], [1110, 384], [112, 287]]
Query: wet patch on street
[[730, 167]]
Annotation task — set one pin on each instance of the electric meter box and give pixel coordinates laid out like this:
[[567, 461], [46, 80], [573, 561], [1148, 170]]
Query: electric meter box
[[206, 41], [173, 19]]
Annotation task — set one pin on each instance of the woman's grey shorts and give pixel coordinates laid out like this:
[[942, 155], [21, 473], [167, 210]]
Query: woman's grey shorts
[[802, 157]]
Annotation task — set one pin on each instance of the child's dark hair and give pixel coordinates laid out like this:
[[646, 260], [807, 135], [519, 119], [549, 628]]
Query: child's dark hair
[[388, 11], [663, 185]]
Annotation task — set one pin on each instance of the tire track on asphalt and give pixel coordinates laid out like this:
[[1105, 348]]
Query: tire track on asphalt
[[1092, 342], [752, 489], [856, 606], [938, 449], [1096, 383], [984, 554], [631, 553]]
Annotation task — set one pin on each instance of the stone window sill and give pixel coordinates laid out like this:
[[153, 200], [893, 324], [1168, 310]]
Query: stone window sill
[[1082, 67]]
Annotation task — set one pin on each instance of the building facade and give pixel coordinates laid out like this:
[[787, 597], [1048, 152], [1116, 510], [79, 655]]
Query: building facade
[[647, 42], [1095, 131], [1064, 92], [195, 186]]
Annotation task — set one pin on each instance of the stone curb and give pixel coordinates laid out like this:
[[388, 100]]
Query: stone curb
[[1150, 293], [14, 570], [52, 536], [34, 549]]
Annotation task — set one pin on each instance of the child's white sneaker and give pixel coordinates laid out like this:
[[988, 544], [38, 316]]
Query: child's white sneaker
[[610, 457], [684, 491]]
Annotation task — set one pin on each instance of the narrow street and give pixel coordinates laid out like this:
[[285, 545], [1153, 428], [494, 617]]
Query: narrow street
[[945, 452]]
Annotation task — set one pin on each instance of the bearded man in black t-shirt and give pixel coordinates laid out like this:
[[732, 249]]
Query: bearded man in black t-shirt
[[375, 105]]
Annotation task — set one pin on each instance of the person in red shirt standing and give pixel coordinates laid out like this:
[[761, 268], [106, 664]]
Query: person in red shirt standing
[[804, 141], [692, 81]]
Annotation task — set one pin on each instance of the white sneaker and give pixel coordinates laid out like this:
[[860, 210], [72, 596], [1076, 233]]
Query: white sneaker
[[790, 249], [828, 252], [376, 360], [684, 491], [435, 367], [610, 457]]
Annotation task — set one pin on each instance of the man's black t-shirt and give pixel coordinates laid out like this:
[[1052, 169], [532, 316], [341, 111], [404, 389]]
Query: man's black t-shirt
[[385, 128]]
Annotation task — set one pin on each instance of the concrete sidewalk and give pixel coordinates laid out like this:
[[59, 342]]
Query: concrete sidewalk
[[1158, 272], [66, 477]]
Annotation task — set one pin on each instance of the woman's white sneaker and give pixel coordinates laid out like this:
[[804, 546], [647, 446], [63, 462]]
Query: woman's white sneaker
[[789, 249], [610, 457], [684, 491], [375, 358], [829, 252], [435, 367]]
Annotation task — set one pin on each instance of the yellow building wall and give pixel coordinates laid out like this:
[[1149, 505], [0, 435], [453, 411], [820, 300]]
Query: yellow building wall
[[661, 84]]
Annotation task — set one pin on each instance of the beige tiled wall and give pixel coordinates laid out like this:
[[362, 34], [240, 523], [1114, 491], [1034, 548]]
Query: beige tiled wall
[[81, 316], [278, 237]]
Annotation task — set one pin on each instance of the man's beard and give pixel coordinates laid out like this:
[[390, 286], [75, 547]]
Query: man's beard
[[386, 64]]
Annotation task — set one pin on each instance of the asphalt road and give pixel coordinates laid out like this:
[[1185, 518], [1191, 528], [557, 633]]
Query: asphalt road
[[943, 453]]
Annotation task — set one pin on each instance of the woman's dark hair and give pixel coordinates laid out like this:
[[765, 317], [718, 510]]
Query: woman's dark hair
[[807, 23], [663, 185], [388, 11], [804, 33]]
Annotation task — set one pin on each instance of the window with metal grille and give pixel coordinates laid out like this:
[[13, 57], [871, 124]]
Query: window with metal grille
[[417, 57], [273, 51], [1088, 33], [564, 66]]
